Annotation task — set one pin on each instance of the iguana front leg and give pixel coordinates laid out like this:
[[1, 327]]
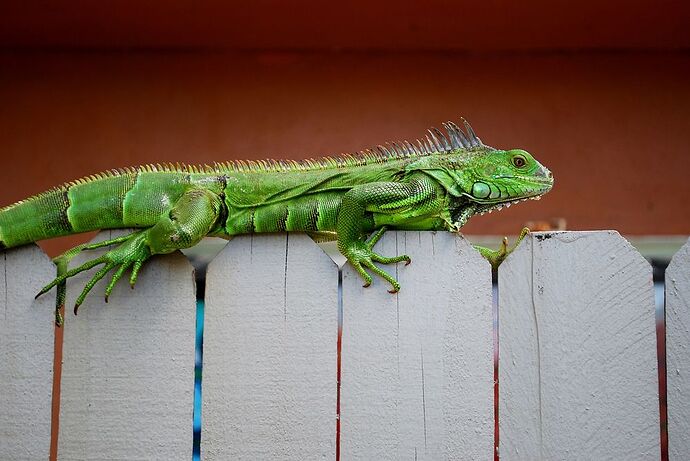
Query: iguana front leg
[[192, 217], [496, 257], [399, 201]]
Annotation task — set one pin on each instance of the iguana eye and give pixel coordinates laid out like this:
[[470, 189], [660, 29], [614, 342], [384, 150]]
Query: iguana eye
[[519, 161]]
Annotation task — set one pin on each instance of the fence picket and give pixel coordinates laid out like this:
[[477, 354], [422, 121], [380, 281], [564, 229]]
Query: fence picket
[[128, 366], [578, 365], [269, 376], [417, 371], [578, 373], [26, 354], [678, 353]]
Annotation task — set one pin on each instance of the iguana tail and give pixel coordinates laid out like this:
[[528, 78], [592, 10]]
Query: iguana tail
[[57, 212], [88, 204], [39, 217], [169, 209]]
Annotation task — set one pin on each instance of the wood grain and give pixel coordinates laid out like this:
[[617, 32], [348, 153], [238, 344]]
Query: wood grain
[[678, 353], [26, 353], [417, 369], [578, 365], [269, 384], [128, 366]]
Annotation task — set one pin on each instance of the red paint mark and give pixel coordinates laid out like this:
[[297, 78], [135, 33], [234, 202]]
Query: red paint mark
[[57, 376], [663, 406], [337, 400]]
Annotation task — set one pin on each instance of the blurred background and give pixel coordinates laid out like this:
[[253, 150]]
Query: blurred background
[[597, 91]]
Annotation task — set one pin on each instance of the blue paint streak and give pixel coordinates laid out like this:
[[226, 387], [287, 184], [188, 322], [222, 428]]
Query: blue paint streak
[[199, 353]]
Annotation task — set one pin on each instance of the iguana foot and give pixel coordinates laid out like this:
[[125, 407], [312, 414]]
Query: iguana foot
[[496, 257], [363, 256], [132, 252], [192, 217]]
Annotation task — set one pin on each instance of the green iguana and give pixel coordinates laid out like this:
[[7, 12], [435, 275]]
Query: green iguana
[[438, 183]]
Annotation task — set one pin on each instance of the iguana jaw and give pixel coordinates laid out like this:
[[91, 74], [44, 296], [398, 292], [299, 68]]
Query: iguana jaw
[[532, 189], [487, 206], [483, 209]]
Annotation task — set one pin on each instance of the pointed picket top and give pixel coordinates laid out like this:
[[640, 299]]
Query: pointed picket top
[[269, 365], [577, 349], [26, 353], [128, 365], [417, 369]]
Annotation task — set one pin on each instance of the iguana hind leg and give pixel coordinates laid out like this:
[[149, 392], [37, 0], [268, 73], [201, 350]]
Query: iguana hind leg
[[62, 264], [192, 217]]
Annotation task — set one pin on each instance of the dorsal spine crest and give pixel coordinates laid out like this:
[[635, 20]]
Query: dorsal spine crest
[[435, 142]]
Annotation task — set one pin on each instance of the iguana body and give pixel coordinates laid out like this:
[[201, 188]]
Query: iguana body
[[437, 184]]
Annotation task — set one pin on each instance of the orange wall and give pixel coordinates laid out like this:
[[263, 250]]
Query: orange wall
[[613, 127]]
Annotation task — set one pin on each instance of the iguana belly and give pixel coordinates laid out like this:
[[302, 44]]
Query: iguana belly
[[315, 212]]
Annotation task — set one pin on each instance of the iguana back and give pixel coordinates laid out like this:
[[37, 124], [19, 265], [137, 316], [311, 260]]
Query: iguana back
[[437, 183]]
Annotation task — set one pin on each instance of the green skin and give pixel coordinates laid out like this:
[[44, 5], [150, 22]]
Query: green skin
[[437, 185]]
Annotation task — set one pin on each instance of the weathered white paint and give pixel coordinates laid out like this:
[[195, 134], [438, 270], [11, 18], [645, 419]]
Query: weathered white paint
[[269, 376], [128, 366], [578, 365], [678, 354], [417, 370], [26, 353]]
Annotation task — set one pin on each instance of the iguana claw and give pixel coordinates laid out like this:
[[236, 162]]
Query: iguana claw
[[364, 256], [132, 252], [496, 257]]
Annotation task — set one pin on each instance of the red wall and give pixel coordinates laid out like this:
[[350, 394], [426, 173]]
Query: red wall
[[612, 122], [354, 24]]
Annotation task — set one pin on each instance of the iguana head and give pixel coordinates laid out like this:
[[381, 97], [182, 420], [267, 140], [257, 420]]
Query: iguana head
[[478, 178], [499, 178]]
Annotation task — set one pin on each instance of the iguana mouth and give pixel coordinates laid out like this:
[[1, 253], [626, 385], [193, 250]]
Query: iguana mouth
[[499, 206]]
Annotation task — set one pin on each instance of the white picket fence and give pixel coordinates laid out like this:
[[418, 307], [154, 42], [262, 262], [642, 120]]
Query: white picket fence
[[578, 364]]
